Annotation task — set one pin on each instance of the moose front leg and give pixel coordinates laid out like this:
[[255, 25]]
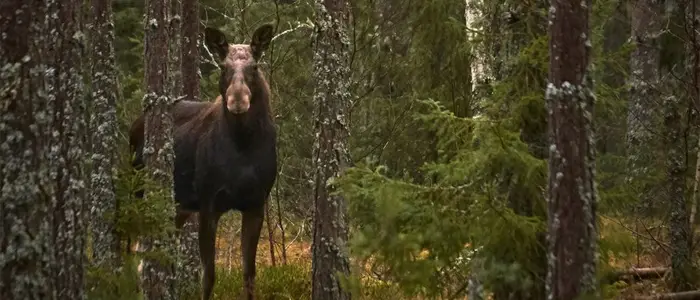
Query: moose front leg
[[252, 224], [208, 222]]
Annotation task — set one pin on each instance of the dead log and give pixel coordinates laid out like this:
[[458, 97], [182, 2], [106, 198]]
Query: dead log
[[689, 295], [635, 274]]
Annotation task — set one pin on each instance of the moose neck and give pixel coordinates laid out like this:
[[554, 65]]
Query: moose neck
[[243, 129]]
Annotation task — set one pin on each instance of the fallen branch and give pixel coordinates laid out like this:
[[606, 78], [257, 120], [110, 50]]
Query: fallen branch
[[672, 296], [636, 274]]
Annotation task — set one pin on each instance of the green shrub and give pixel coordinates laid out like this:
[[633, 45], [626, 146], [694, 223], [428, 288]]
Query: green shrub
[[279, 282]]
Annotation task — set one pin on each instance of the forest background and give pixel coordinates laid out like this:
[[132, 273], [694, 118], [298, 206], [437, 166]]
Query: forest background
[[449, 147]]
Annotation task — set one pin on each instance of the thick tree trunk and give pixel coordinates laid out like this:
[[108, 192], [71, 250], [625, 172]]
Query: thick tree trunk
[[647, 19], [572, 195], [190, 49], [105, 246], [331, 73], [65, 79], [158, 153], [26, 114]]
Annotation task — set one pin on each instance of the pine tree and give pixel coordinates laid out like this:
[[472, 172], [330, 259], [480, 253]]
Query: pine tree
[[190, 50], [65, 83], [184, 78], [103, 120], [683, 267], [331, 96], [26, 117], [158, 280], [646, 19], [572, 196]]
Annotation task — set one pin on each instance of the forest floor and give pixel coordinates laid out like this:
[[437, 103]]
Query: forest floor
[[641, 247]]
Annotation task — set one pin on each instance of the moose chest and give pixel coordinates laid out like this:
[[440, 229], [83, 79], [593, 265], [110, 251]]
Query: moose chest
[[226, 174]]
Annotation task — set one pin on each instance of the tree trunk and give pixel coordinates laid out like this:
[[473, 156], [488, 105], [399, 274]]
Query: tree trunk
[[175, 55], [105, 245], [26, 114], [646, 18], [190, 49], [683, 269], [694, 65], [679, 224], [69, 125], [188, 266], [572, 196], [158, 149], [331, 73]]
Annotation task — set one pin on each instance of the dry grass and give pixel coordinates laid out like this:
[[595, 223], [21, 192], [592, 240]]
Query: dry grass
[[650, 253], [228, 246]]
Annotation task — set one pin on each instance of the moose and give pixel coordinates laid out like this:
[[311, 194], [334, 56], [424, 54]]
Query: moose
[[225, 152]]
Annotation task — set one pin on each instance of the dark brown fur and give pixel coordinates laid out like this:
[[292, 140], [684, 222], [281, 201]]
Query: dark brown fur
[[225, 153]]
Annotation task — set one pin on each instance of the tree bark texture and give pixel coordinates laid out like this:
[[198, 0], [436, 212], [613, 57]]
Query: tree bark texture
[[571, 191], [644, 96], [679, 223], [26, 116], [158, 277], [331, 73], [189, 267], [190, 49], [683, 269], [67, 42], [189, 88], [694, 71], [175, 56], [188, 249], [103, 206]]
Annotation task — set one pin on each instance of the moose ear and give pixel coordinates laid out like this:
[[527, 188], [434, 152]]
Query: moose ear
[[261, 40], [216, 42]]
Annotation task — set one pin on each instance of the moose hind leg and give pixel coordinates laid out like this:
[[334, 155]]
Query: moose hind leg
[[252, 224], [207, 251]]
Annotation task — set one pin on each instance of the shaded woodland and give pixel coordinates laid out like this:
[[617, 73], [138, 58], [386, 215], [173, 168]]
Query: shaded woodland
[[349, 149]]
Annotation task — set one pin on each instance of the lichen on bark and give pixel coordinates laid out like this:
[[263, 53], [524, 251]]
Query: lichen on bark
[[103, 124], [183, 73], [646, 16], [572, 198], [158, 278], [331, 95], [26, 116], [65, 84]]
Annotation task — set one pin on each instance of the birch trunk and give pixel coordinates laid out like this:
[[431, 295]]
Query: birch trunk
[[572, 196], [331, 73]]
